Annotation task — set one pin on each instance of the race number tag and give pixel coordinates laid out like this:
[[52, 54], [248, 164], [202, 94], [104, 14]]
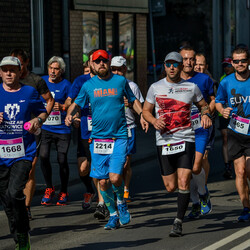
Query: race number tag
[[173, 148], [89, 123], [129, 132], [54, 118], [239, 124], [105, 146], [196, 121], [12, 148]]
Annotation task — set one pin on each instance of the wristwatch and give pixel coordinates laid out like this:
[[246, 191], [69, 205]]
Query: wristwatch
[[40, 120], [207, 114]]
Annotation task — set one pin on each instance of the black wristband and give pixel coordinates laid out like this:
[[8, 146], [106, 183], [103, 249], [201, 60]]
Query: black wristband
[[140, 114], [40, 120], [207, 114]]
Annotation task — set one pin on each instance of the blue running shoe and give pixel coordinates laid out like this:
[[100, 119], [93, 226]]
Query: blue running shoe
[[124, 214], [206, 206], [245, 215], [195, 211], [113, 223]]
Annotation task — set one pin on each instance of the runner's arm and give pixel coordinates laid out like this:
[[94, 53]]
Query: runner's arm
[[138, 109], [206, 121], [224, 111], [73, 110], [212, 104], [50, 102], [68, 102], [1, 117], [148, 108]]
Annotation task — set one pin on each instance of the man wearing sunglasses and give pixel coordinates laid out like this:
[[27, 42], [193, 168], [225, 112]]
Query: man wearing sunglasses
[[234, 90], [172, 99], [109, 135], [204, 138]]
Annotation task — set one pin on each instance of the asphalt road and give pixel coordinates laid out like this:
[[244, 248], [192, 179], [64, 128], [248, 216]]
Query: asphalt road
[[152, 209]]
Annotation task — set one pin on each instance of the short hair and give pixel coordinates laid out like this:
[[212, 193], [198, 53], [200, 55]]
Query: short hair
[[201, 54], [21, 53], [240, 50], [187, 47], [59, 60]]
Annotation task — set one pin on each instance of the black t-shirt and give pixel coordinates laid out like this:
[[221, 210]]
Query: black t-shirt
[[36, 82]]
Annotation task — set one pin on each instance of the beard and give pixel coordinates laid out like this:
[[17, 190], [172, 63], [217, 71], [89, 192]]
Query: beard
[[102, 73], [92, 71]]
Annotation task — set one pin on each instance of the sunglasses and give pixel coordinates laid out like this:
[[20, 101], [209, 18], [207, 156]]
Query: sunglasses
[[168, 65], [242, 61], [97, 61]]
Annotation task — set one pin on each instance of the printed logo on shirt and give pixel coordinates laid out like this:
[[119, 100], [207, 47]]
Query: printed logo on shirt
[[22, 101], [53, 94], [105, 92], [12, 110], [178, 90]]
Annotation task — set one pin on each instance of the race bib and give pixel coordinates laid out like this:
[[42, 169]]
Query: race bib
[[89, 119], [103, 146], [129, 132], [173, 148], [12, 148], [239, 124], [196, 121], [54, 118]]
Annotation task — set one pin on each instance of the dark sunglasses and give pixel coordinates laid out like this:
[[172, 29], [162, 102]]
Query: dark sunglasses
[[97, 61], [168, 65], [242, 61]]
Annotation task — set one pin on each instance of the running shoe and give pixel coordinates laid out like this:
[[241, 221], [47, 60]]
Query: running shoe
[[87, 201], [124, 214], [126, 196], [245, 215], [228, 174], [29, 213], [23, 241], [62, 199], [101, 212], [113, 223], [195, 211], [176, 230], [206, 206], [48, 195]]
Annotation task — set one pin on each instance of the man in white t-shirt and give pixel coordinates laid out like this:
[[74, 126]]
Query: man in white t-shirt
[[172, 99], [118, 66]]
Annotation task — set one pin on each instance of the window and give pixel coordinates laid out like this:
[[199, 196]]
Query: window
[[37, 36]]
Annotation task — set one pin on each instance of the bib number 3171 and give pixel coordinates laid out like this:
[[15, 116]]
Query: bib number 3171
[[173, 148], [105, 146]]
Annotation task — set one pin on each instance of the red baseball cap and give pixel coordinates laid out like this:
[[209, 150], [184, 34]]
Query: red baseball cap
[[227, 60], [100, 53]]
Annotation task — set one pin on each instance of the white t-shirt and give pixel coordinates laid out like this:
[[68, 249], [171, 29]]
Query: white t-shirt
[[128, 112], [173, 102]]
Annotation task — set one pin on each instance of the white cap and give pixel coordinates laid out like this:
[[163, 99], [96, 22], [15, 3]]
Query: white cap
[[10, 60], [118, 61]]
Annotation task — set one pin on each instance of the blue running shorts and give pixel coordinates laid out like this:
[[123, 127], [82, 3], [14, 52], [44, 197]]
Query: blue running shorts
[[103, 164], [131, 148]]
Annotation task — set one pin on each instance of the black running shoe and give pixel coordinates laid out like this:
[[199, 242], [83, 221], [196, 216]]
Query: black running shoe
[[101, 212], [176, 230]]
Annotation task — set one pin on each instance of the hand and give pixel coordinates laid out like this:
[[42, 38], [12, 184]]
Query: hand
[[126, 102], [226, 112], [68, 120], [144, 124], [57, 106], [1, 117], [159, 123], [34, 125], [206, 122], [76, 122]]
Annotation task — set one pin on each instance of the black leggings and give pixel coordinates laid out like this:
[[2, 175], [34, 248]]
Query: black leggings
[[62, 142]]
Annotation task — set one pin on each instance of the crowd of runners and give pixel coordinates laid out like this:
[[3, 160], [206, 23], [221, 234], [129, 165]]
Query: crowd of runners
[[101, 105]]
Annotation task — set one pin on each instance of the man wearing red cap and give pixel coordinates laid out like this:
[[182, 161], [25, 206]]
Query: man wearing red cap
[[105, 92]]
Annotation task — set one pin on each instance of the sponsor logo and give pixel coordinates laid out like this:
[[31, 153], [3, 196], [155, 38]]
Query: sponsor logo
[[105, 92], [22, 101]]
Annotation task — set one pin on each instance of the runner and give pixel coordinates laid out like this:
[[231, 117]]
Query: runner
[[83, 153], [234, 90], [55, 130], [118, 66], [31, 79], [18, 147], [172, 99], [105, 93], [203, 137]]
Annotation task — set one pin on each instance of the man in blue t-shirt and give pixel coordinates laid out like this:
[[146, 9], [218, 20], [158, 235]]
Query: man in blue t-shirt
[[203, 137], [234, 90], [18, 103], [105, 92]]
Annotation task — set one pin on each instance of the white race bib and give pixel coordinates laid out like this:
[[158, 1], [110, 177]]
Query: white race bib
[[89, 119], [54, 118], [173, 148], [103, 146], [239, 124], [196, 121], [12, 148]]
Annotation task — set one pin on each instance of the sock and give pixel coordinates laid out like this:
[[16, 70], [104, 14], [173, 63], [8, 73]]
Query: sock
[[101, 203], [87, 181], [194, 195], [182, 202], [200, 181], [108, 197], [119, 191]]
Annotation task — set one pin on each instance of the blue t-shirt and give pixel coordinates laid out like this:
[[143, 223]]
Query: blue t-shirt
[[59, 92], [236, 94], [85, 111], [107, 104], [18, 108]]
